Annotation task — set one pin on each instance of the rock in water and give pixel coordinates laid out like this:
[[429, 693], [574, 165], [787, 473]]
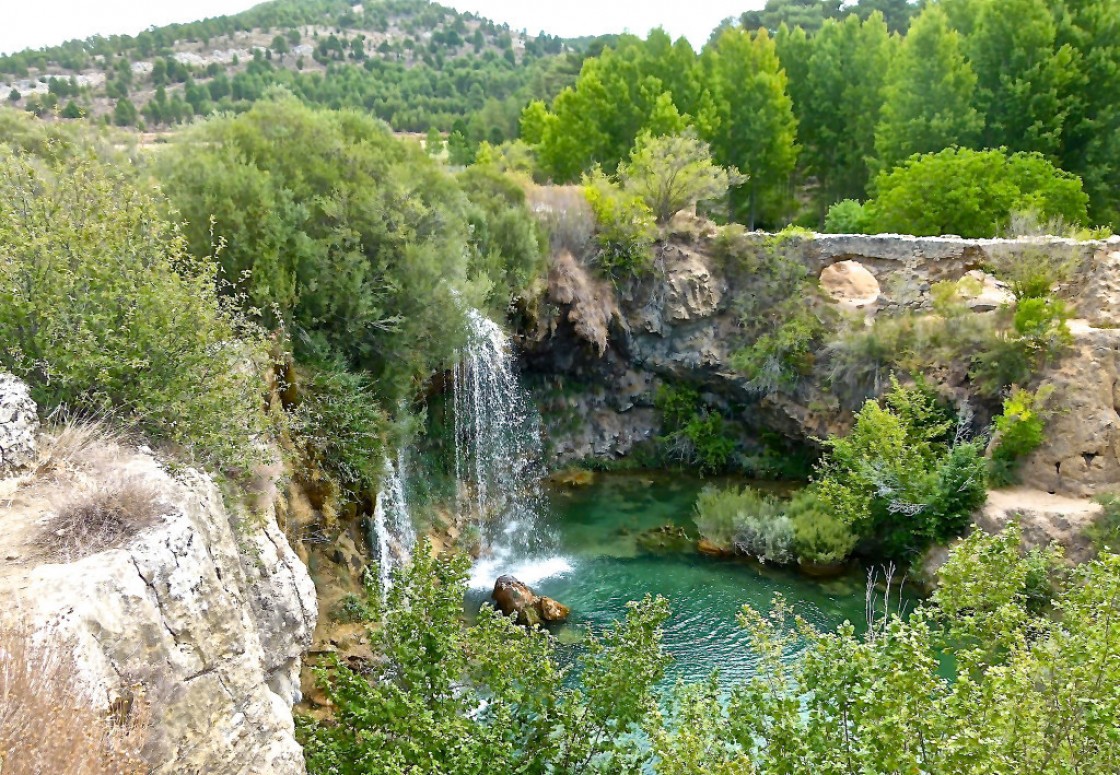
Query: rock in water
[[517, 599], [552, 611]]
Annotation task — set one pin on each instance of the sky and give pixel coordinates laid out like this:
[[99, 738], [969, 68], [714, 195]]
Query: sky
[[36, 23]]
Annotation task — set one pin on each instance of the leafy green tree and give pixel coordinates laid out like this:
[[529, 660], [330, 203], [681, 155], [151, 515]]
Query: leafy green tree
[[489, 697], [806, 14], [973, 193], [671, 173], [843, 96], [104, 310], [748, 119], [929, 93], [1091, 138], [14, 95], [1022, 75]]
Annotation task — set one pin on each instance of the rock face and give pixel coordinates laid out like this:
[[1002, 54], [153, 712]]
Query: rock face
[[19, 422], [515, 598], [210, 618]]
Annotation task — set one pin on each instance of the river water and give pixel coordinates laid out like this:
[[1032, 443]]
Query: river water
[[600, 563]]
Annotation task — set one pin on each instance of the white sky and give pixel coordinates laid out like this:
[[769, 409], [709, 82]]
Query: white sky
[[36, 23]]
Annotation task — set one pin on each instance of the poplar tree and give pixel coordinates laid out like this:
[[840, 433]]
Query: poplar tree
[[749, 121], [929, 93]]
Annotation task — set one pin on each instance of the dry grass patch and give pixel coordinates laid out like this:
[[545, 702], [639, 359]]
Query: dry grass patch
[[78, 443], [104, 515], [50, 723]]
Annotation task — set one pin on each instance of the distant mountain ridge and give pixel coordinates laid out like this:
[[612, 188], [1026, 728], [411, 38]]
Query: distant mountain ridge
[[416, 64]]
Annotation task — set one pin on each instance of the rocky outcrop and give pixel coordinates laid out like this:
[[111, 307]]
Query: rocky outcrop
[[206, 614], [1081, 453], [531, 610], [19, 422]]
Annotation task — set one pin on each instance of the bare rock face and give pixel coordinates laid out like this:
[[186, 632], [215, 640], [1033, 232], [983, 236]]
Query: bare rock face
[[210, 618], [1044, 518], [850, 284], [19, 422], [517, 599], [1080, 455]]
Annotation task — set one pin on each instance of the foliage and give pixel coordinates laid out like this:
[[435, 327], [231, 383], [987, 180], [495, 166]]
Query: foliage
[[901, 479], [745, 520], [489, 697], [1105, 530], [694, 434], [748, 118], [102, 309], [626, 228], [819, 536], [1019, 432], [1033, 274], [673, 172], [357, 244], [778, 360], [847, 217], [928, 95], [342, 428], [972, 193]]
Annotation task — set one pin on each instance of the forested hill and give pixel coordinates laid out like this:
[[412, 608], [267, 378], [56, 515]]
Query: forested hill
[[413, 63]]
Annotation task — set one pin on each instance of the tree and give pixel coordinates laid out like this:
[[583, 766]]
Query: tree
[[841, 96], [14, 95], [671, 173], [929, 93], [809, 15], [973, 193], [1022, 75], [748, 119], [124, 113]]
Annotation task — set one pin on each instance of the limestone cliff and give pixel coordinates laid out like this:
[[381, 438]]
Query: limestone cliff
[[204, 615]]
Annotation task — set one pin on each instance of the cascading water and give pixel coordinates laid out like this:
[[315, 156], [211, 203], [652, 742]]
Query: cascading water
[[391, 533], [497, 457]]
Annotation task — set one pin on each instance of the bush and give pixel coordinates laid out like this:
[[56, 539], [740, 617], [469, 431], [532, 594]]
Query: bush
[[694, 434], [672, 172], [747, 521], [102, 309], [972, 193], [1105, 531], [1019, 432], [626, 228], [780, 359], [901, 480], [343, 429], [819, 536], [847, 217]]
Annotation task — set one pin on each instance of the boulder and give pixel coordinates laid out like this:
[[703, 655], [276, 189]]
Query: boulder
[[517, 599], [19, 422]]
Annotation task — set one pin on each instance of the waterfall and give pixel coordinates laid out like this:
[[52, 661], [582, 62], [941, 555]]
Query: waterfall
[[392, 534], [497, 450]]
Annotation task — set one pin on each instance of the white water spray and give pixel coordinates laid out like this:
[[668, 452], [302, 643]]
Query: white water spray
[[498, 455], [392, 534]]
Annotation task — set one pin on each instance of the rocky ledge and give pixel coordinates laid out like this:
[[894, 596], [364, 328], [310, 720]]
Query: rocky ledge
[[203, 616]]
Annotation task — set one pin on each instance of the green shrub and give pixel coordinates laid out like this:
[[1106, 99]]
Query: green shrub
[[972, 193], [1105, 530], [693, 434], [747, 521], [343, 428], [780, 359], [626, 228], [1019, 432], [102, 309], [819, 535], [901, 479], [847, 217]]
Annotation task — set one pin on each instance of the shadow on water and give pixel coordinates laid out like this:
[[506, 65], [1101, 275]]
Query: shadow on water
[[601, 563]]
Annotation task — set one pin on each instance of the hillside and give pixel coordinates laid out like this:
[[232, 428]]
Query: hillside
[[413, 63]]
